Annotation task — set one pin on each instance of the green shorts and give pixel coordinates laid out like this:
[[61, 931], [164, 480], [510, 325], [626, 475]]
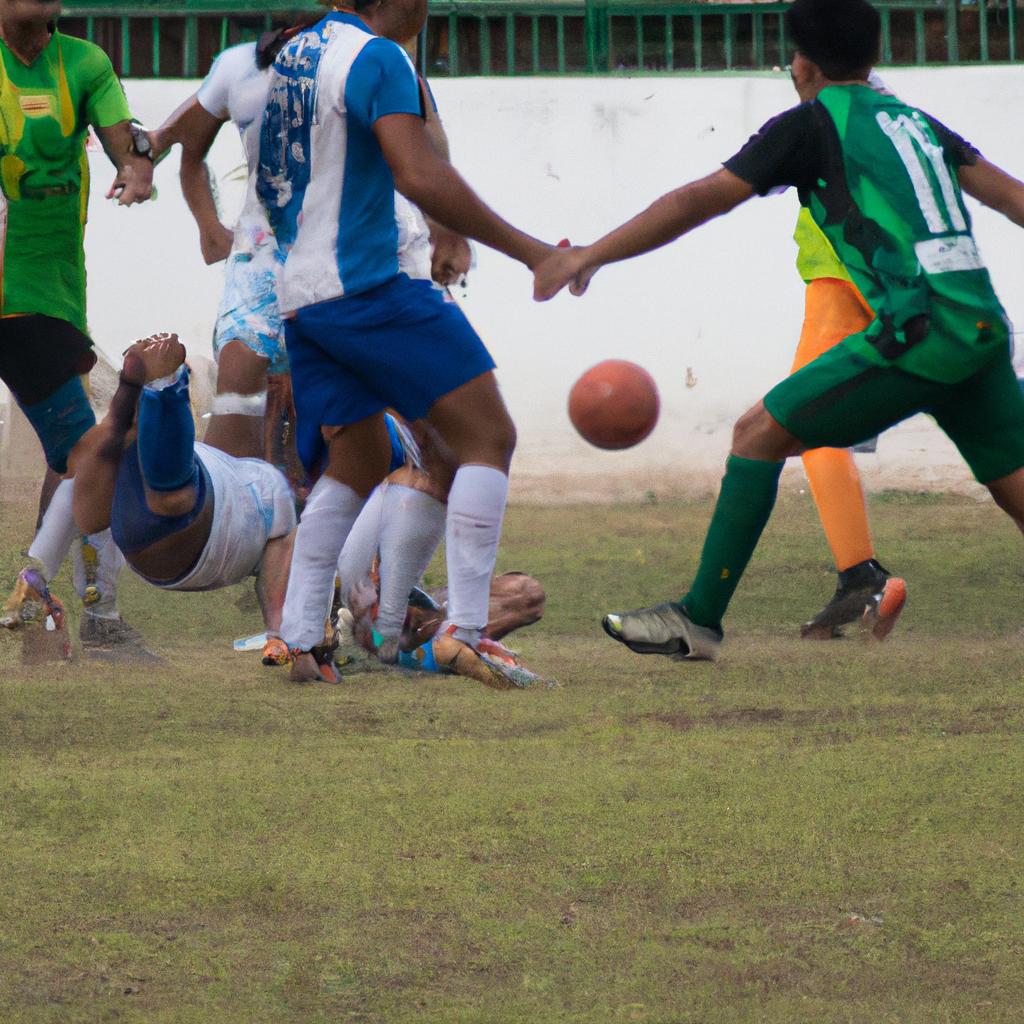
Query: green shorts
[[841, 399]]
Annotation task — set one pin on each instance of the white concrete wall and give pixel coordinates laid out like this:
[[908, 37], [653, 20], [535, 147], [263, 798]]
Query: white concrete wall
[[574, 157]]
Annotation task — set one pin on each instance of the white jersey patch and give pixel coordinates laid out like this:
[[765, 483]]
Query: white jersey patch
[[252, 503]]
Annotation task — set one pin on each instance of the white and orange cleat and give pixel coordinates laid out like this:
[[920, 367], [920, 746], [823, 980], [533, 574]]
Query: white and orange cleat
[[31, 601], [884, 608]]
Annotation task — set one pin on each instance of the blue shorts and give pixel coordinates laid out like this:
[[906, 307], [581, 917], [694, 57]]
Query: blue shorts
[[402, 345], [133, 526], [60, 421]]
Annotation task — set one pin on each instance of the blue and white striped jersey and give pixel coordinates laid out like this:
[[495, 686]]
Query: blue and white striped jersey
[[328, 191]]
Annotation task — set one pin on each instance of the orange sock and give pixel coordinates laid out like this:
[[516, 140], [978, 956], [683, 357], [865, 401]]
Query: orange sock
[[835, 485], [834, 310]]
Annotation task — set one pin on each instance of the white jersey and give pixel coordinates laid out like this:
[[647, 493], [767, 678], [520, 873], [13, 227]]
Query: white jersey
[[322, 176], [237, 90], [252, 504]]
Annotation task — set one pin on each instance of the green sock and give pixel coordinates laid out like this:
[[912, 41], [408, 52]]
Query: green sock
[[744, 506]]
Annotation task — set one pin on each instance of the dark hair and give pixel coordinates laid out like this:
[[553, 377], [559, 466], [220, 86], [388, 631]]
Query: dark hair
[[269, 44], [841, 36]]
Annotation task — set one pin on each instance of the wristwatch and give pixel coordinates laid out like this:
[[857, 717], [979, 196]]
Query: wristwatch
[[140, 140]]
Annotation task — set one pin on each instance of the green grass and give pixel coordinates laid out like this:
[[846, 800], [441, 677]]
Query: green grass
[[802, 833]]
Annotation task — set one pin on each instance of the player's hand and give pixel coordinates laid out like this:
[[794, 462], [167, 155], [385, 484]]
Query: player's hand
[[451, 257], [133, 183], [215, 243], [561, 267]]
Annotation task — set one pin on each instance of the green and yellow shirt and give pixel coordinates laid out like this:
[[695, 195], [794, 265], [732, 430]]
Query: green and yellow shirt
[[46, 108]]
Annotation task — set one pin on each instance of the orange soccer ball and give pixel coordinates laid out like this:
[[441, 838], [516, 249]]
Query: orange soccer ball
[[614, 404]]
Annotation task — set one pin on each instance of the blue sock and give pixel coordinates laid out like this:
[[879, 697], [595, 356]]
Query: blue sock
[[422, 659], [167, 436]]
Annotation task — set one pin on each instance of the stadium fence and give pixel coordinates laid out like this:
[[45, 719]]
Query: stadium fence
[[180, 38]]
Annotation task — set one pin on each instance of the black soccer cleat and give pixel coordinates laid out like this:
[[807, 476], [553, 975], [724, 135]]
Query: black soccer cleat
[[866, 593]]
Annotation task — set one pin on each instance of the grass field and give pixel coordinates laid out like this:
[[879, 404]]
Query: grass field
[[803, 833]]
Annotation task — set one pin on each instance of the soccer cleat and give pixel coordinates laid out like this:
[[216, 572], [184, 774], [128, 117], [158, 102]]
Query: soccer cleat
[[664, 629], [859, 588], [275, 652], [419, 598], [515, 674], [884, 609], [386, 648], [313, 666], [496, 651], [31, 601], [448, 656], [112, 640], [344, 627]]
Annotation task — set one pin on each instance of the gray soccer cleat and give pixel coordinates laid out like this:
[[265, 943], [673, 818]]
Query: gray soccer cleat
[[113, 640], [664, 629]]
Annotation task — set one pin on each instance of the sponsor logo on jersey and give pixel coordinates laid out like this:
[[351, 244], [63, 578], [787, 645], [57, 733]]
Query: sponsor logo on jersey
[[36, 106]]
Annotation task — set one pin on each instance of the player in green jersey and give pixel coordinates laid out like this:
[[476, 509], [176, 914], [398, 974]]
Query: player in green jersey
[[52, 88], [883, 182]]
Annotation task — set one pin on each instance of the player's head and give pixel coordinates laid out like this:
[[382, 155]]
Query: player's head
[[400, 20], [26, 12], [840, 37]]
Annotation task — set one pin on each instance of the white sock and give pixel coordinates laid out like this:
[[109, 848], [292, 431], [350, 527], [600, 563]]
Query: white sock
[[412, 527], [53, 540], [476, 507], [108, 565], [326, 520], [361, 544]]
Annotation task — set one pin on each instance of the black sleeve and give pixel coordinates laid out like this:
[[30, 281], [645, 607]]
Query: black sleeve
[[959, 152], [787, 150]]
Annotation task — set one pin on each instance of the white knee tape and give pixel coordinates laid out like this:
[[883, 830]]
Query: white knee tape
[[231, 404]]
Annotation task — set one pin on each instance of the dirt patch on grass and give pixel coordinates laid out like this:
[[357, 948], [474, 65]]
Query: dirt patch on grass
[[747, 716], [680, 721], [979, 721]]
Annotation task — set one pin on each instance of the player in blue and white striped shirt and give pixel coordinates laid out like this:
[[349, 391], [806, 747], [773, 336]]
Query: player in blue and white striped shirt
[[343, 129]]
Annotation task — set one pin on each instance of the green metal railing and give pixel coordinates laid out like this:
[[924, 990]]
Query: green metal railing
[[180, 38]]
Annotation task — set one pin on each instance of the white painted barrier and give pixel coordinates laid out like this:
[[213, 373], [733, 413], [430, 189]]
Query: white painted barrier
[[574, 157]]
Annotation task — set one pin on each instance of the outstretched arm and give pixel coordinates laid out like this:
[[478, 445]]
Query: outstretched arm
[[995, 188], [195, 128], [674, 214], [441, 192]]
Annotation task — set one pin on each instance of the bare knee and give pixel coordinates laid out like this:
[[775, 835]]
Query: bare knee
[[492, 442], [240, 371], [533, 598], [503, 441], [745, 429], [475, 424], [1008, 492], [528, 595], [758, 435], [89, 518]]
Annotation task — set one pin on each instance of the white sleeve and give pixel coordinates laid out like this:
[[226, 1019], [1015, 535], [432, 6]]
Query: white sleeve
[[227, 69]]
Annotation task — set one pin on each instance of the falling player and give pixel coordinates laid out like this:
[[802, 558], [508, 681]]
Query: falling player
[[186, 515]]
